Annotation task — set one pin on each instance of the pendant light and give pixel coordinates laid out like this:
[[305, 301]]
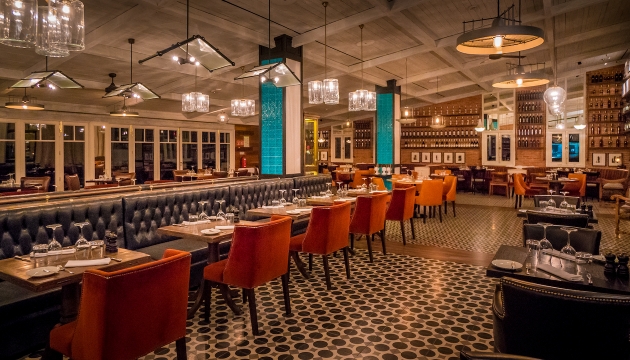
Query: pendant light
[[506, 35], [25, 103], [328, 91], [278, 74], [406, 116], [136, 90], [60, 28], [555, 96], [124, 110], [18, 23], [195, 101], [242, 106], [51, 79], [362, 100], [480, 126], [437, 121], [223, 117], [517, 77]]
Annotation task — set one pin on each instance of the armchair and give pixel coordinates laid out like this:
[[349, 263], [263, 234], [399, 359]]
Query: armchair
[[622, 211]]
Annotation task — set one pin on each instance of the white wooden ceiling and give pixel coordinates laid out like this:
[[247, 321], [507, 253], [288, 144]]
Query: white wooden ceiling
[[422, 31]]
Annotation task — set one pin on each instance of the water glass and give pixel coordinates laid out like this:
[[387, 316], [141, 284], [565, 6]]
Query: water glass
[[582, 257], [98, 249], [543, 204], [39, 254], [275, 203], [229, 218], [302, 203], [193, 218], [571, 208]]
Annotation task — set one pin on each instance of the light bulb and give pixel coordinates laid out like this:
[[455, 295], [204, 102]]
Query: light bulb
[[263, 79], [519, 82], [276, 79], [175, 58], [197, 63], [192, 59], [24, 106], [497, 42], [65, 9], [51, 86], [406, 112], [18, 4]]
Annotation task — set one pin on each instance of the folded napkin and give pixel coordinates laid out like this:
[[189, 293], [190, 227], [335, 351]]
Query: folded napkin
[[95, 262], [271, 207], [186, 223], [319, 197], [559, 254], [559, 273], [56, 252], [224, 227], [346, 199]]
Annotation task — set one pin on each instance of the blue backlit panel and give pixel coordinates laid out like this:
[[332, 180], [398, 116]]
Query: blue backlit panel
[[384, 128], [272, 144]]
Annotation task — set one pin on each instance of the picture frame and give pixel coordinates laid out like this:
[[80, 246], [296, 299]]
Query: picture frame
[[615, 159], [415, 157], [460, 158], [323, 155], [426, 157], [598, 159], [448, 158], [436, 157]]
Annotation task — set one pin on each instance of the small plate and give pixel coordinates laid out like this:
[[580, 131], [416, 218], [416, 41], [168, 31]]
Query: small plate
[[210, 231], [293, 212], [507, 264], [306, 210], [40, 272]]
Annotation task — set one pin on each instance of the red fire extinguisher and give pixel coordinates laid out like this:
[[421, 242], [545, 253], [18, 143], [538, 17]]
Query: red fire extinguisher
[[243, 162]]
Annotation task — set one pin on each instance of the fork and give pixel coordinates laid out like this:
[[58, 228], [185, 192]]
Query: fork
[[61, 268]]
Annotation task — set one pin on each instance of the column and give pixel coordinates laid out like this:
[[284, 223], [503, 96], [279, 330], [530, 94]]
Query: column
[[281, 125], [386, 127]]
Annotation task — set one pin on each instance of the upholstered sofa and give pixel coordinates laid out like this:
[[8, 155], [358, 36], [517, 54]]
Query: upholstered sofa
[[612, 182]]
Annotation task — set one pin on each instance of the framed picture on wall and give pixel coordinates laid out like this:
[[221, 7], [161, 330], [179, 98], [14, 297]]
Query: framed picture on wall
[[415, 157], [448, 158], [599, 159], [426, 157], [437, 158], [615, 159], [323, 155], [460, 158]]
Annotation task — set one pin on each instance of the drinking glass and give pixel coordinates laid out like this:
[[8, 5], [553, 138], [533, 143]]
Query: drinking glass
[[564, 203], [328, 191], [582, 257], [203, 215], [40, 251], [543, 204], [302, 203], [544, 244], [295, 198], [221, 214], [568, 249], [82, 246], [193, 218], [118, 181], [551, 202], [282, 199], [98, 249], [229, 218], [54, 244], [571, 208], [275, 203]]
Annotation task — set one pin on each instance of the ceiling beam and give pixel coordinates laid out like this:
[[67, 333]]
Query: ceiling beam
[[571, 39]]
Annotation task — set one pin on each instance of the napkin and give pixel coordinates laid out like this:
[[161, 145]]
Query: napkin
[[319, 197], [186, 223], [271, 207], [559, 254], [56, 252], [346, 199], [559, 273], [95, 262], [224, 227], [379, 191]]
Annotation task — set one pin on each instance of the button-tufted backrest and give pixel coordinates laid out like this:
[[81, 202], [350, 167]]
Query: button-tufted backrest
[[311, 185], [21, 228], [247, 196], [273, 187]]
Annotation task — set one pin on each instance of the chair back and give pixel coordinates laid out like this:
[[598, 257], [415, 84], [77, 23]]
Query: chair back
[[357, 180], [72, 182], [369, 214], [442, 171], [343, 176], [129, 313], [579, 187], [402, 185], [586, 240], [30, 183], [572, 200], [380, 184], [327, 229], [555, 323], [575, 220], [478, 174], [519, 185], [449, 188], [125, 177], [259, 253], [402, 204], [430, 193], [220, 174], [240, 173]]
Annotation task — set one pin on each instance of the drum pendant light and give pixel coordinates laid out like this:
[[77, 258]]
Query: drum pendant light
[[406, 114], [437, 121], [362, 100], [326, 92], [517, 77]]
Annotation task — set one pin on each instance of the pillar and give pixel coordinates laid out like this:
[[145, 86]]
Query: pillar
[[387, 128], [281, 124]]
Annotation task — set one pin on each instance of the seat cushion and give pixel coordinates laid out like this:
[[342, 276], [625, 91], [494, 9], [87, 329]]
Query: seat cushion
[[214, 271], [296, 242], [61, 337], [613, 186], [198, 249]]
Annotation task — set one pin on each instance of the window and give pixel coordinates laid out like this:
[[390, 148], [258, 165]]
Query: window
[[209, 149], [74, 151], [120, 149], [40, 151], [189, 149], [7, 151], [144, 147], [99, 150], [168, 153], [224, 156]]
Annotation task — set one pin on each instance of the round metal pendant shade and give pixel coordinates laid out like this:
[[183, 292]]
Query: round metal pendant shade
[[514, 81], [500, 39]]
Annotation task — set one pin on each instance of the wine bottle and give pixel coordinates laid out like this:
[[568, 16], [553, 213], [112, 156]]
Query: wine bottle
[[601, 142], [617, 142]]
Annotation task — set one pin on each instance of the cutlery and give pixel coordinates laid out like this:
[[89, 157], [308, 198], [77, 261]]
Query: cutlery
[[590, 278], [116, 259], [61, 268], [21, 258], [46, 270]]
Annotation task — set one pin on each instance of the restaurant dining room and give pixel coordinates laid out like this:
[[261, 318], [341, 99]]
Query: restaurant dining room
[[308, 179]]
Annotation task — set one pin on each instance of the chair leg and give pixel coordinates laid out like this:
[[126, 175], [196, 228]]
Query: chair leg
[[326, 272], [520, 201], [180, 346], [227, 296], [50, 354], [285, 291], [413, 229], [208, 298], [369, 244], [244, 296], [299, 264], [346, 261], [445, 208], [383, 241], [515, 201], [424, 218], [352, 241], [402, 230], [453, 208], [440, 213], [253, 315], [310, 262]]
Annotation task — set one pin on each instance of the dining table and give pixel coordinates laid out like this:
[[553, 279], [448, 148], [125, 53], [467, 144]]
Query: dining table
[[600, 282], [295, 212], [592, 218], [14, 270], [554, 184]]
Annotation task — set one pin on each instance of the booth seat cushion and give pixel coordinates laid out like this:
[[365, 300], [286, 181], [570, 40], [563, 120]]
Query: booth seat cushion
[[613, 186], [311, 185]]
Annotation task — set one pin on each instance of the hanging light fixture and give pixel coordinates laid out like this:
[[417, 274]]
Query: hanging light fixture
[[517, 77], [278, 74], [362, 100], [25, 103], [223, 117], [480, 126], [195, 101], [198, 51], [51, 79], [555, 96], [18, 23], [406, 116], [136, 90], [579, 123], [124, 110], [242, 106], [60, 28], [506, 35], [437, 122], [326, 92]]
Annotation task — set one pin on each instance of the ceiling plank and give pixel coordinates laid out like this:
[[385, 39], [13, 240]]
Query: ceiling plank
[[549, 33]]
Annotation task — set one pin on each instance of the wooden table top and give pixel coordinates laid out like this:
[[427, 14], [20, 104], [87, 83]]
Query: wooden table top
[[14, 270], [355, 193], [266, 212], [328, 201], [193, 232]]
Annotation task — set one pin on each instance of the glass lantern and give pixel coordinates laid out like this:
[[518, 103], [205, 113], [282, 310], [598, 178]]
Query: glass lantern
[[73, 20], [243, 107], [555, 95], [18, 23], [51, 40], [315, 95], [331, 91], [202, 103], [370, 103], [188, 102]]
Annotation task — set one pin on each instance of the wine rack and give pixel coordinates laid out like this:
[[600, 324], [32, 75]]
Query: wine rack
[[324, 134], [605, 109], [363, 134], [530, 118]]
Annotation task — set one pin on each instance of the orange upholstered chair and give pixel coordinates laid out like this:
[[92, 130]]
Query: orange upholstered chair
[[442, 171], [400, 185], [326, 233], [576, 188], [380, 185], [431, 196], [128, 313], [369, 219], [259, 254], [521, 189], [449, 192], [401, 209]]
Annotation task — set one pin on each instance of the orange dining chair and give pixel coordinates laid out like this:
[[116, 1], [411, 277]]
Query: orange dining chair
[[326, 233], [440, 171], [369, 219], [576, 188], [259, 254], [129, 313], [380, 184], [402, 185], [401, 209], [449, 192], [357, 179], [431, 196], [521, 189]]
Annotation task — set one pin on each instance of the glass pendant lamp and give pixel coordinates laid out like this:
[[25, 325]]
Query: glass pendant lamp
[[326, 92], [195, 101], [362, 100], [51, 40], [405, 113], [243, 107], [18, 23], [315, 94]]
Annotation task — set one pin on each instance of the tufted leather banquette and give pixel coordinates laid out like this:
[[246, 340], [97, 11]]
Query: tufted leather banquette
[[311, 185]]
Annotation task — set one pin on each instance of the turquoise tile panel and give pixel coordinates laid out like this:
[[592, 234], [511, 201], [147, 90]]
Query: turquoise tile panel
[[384, 128], [272, 144]]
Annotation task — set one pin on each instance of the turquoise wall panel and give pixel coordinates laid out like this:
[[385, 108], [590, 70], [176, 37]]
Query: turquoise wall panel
[[272, 131], [384, 128]]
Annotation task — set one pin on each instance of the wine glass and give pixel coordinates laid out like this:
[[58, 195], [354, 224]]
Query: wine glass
[[551, 203], [544, 244], [203, 215], [564, 203], [54, 244], [82, 245], [328, 191], [295, 198], [282, 199], [568, 249], [220, 213], [11, 180], [118, 181]]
